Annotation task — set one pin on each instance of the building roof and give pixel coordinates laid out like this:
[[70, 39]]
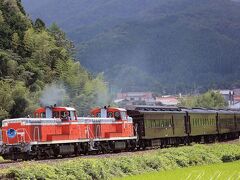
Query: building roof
[[169, 100]]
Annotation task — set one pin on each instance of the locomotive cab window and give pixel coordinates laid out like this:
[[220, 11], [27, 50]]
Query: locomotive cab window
[[43, 115], [98, 114], [66, 115], [117, 115], [56, 114], [110, 114], [36, 115]]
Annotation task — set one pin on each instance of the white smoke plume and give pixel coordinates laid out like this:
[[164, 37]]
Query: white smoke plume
[[53, 94]]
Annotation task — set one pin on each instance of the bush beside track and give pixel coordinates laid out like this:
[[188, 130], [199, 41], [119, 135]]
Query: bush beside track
[[107, 168]]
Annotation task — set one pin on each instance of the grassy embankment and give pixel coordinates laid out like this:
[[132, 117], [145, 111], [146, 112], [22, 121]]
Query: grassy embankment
[[216, 171], [108, 168]]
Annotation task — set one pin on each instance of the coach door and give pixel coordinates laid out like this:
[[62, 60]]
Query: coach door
[[187, 123]]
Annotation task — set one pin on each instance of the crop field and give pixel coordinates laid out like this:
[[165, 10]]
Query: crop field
[[228, 171], [105, 167]]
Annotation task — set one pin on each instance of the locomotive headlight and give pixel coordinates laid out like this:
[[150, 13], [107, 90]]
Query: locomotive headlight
[[11, 133]]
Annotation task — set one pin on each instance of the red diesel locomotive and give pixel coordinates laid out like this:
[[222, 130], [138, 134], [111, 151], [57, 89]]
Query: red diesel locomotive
[[57, 131]]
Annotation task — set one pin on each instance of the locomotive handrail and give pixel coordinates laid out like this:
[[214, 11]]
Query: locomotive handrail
[[0, 135], [4, 131], [34, 133], [86, 119], [31, 120], [25, 132]]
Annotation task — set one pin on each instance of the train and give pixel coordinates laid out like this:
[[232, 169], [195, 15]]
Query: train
[[56, 132]]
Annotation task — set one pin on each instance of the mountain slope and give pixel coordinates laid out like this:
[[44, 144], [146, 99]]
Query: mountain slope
[[166, 45]]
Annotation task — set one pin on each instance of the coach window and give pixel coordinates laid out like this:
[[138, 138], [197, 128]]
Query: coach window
[[158, 123], [162, 123]]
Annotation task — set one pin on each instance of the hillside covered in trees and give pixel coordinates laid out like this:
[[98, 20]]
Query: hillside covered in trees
[[161, 45], [34, 58]]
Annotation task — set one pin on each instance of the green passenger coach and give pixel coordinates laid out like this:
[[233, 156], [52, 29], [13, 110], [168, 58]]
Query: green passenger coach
[[162, 126]]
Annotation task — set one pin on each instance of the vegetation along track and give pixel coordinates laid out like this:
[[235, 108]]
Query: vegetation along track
[[118, 165], [7, 164]]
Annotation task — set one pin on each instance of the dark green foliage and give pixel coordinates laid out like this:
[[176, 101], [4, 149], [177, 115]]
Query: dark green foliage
[[19, 107], [39, 24], [209, 99]]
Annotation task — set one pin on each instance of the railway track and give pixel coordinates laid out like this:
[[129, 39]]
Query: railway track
[[8, 164]]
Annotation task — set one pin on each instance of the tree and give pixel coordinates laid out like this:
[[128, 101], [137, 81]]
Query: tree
[[61, 40], [39, 24], [209, 99], [1, 17], [15, 41]]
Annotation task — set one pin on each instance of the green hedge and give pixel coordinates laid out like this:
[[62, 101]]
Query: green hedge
[[107, 168]]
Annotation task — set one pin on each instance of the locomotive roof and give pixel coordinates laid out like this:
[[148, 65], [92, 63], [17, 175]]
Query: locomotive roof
[[58, 107], [119, 109], [68, 108]]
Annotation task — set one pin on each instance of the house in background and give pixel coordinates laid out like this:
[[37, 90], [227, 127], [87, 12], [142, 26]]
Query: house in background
[[135, 98], [232, 97], [145, 98], [167, 100]]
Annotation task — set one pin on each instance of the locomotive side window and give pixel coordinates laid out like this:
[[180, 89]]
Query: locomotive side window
[[98, 114], [56, 114], [65, 115], [43, 115], [110, 114], [36, 115], [117, 115]]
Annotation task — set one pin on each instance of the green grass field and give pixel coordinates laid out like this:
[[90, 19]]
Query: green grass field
[[230, 171]]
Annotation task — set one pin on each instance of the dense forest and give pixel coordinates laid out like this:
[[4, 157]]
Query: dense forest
[[35, 60], [167, 46]]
